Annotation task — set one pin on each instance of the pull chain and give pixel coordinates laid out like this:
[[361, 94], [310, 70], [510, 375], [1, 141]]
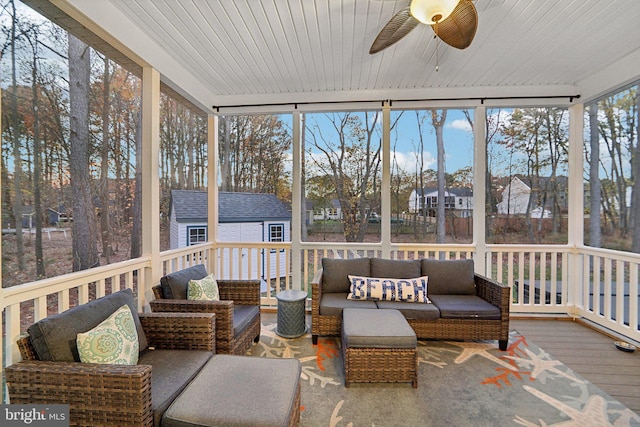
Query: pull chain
[[437, 46]]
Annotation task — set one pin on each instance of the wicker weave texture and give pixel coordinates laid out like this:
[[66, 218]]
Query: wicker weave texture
[[466, 329], [228, 341], [106, 395], [380, 365], [98, 395]]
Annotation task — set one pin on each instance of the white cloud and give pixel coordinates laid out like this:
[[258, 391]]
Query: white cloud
[[408, 161], [460, 124]]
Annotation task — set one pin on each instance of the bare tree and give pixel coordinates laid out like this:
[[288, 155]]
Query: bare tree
[[350, 156], [85, 235], [105, 226], [37, 168], [17, 155], [595, 235], [438, 119]]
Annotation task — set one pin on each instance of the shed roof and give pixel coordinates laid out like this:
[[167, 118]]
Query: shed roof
[[191, 206]]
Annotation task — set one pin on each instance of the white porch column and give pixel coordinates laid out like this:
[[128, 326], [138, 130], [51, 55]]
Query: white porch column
[[297, 200], [150, 181], [576, 207], [385, 191], [212, 190], [482, 265]]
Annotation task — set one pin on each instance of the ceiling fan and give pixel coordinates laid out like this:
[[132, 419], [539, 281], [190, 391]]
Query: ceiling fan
[[453, 21]]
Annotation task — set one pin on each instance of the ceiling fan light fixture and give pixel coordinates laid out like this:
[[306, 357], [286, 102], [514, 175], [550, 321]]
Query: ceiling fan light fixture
[[431, 12]]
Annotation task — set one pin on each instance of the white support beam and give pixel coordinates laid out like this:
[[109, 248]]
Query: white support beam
[[150, 178], [576, 204], [385, 196], [212, 187], [479, 188], [297, 203]]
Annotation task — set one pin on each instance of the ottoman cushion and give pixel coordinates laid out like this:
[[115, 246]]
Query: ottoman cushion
[[169, 378], [238, 391], [391, 329]]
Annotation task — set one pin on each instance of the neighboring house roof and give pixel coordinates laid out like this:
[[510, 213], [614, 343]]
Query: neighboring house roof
[[191, 206]]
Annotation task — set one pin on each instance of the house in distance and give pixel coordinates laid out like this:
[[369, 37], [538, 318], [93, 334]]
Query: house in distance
[[242, 217]]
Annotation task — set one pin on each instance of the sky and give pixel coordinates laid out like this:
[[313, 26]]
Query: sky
[[405, 139]]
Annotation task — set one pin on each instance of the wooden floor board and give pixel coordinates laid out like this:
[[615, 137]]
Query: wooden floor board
[[589, 353]]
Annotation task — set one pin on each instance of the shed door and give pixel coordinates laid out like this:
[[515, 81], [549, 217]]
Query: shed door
[[230, 264]]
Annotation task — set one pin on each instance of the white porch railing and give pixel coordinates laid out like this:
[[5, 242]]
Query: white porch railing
[[596, 284]]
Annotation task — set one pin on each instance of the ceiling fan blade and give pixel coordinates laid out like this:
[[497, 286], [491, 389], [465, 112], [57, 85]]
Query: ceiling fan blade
[[459, 29], [398, 27]]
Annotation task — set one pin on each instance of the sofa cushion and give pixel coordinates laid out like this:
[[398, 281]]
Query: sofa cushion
[[388, 289], [174, 285], [54, 338], [205, 289], [242, 316], [411, 310], [172, 371], [114, 341], [465, 307], [400, 269], [332, 304], [451, 277], [335, 273]]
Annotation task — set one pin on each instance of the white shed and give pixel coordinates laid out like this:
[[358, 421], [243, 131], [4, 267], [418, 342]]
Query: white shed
[[242, 217]]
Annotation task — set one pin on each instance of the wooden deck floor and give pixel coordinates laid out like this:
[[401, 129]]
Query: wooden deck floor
[[590, 354]]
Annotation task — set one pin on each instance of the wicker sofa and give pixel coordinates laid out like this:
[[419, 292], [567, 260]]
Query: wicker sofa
[[464, 305], [107, 394], [237, 312]]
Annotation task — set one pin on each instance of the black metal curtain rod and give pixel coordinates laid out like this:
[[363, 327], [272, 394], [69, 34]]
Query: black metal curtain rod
[[482, 99]]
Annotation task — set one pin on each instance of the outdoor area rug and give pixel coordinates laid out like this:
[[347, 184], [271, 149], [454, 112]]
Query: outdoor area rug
[[459, 384]]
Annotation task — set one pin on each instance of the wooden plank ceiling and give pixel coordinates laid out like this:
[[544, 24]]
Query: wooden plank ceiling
[[246, 51]]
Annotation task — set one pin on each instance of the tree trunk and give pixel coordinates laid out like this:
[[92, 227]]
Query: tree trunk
[[17, 159], [225, 155], [595, 231], [37, 200], [105, 226], [85, 235], [136, 210], [438, 124]]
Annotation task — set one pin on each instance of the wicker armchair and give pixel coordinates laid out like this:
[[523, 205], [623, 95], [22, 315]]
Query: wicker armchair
[[237, 312], [108, 395]]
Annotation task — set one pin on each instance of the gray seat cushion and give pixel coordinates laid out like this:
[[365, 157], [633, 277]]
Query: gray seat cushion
[[172, 370], [242, 316], [332, 304], [54, 338], [238, 391], [395, 269], [451, 277], [376, 329], [411, 310], [465, 307], [335, 273], [174, 285]]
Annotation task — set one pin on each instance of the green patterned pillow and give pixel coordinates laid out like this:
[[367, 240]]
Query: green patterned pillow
[[204, 289], [114, 341]]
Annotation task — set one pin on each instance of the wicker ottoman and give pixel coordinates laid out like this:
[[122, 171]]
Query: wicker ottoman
[[378, 346], [239, 391]]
